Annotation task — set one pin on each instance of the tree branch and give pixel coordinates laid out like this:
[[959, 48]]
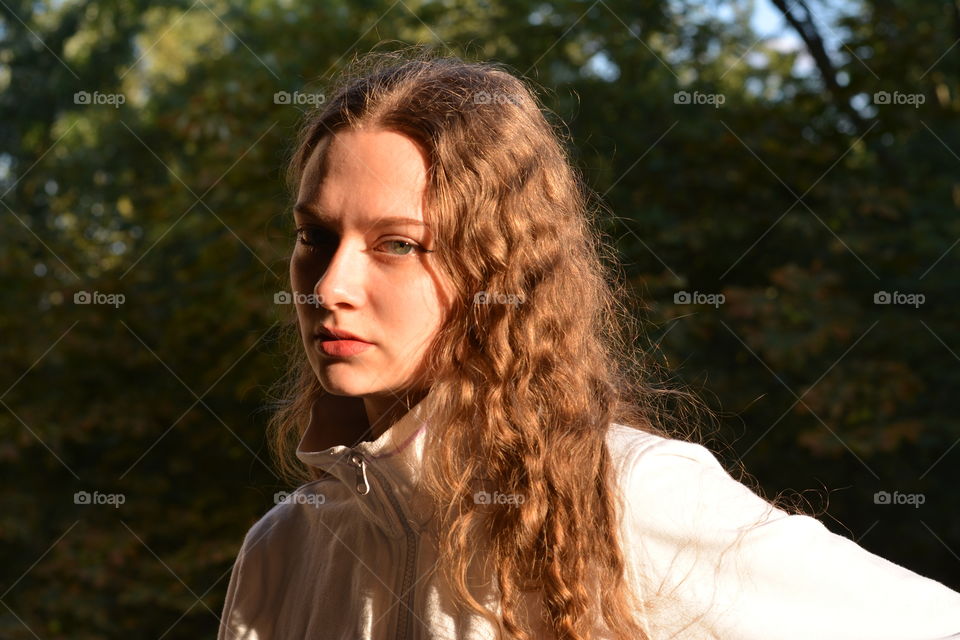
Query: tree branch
[[805, 27]]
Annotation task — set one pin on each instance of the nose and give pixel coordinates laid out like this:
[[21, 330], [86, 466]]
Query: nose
[[341, 283]]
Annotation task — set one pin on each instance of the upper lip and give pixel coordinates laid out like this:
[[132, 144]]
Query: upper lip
[[337, 334]]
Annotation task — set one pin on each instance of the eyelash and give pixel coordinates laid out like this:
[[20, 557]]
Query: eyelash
[[417, 249]]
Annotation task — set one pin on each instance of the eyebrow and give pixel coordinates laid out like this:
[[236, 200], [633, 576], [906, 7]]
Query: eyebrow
[[329, 221]]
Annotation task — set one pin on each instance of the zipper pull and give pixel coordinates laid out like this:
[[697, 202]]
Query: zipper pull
[[363, 488]]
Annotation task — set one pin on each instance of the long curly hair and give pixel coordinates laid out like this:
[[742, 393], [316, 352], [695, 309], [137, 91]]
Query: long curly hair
[[539, 354]]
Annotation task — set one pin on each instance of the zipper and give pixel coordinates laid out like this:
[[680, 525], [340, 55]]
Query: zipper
[[363, 487], [405, 626]]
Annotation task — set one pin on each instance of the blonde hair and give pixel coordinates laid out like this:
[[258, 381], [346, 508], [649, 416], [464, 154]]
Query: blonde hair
[[525, 390]]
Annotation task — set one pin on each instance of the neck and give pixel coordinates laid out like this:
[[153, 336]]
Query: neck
[[384, 411], [336, 420], [349, 420]]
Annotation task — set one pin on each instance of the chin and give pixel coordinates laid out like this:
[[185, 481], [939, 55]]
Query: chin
[[343, 383]]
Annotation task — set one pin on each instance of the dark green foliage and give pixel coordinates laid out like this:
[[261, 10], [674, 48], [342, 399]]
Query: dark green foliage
[[797, 199]]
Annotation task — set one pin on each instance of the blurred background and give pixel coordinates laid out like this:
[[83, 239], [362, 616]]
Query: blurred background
[[781, 179]]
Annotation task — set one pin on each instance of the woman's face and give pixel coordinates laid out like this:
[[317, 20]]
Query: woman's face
[[358, 252]]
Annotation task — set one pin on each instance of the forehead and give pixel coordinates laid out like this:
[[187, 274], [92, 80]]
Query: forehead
[[375, 172]]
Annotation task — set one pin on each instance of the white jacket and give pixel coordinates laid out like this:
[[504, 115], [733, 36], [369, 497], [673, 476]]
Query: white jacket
[[348, 557]]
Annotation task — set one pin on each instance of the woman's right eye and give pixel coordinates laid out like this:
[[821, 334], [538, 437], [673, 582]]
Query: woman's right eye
[[316, 238]]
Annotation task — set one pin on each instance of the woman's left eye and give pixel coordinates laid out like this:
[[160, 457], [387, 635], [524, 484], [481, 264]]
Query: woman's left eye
[[404, 247]]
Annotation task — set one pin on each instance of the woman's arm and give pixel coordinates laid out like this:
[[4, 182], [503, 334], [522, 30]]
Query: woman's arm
[[250, 609], [722, 556]]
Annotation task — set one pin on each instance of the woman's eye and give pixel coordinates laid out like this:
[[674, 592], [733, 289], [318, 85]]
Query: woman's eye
[[321, 240], [402, 246], [315, 238]]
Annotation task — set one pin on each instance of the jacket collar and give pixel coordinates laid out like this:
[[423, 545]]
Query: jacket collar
[[395, 456]]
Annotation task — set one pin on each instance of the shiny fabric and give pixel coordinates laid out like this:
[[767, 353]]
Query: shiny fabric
[[350, 557]]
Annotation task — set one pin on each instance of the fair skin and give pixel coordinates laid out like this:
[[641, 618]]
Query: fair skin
[[369, 274]]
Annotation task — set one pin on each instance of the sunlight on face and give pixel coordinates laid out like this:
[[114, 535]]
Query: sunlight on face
[[366, 266]]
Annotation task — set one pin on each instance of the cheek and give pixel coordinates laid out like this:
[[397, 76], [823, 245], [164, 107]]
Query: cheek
[[301, 283], [415, 309], [305, 271], [298, 269]]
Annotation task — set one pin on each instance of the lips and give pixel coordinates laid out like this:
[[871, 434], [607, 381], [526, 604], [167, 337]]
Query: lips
[[329, 333], [338, 343]]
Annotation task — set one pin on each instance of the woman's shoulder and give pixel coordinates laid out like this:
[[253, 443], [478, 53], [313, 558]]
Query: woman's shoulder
[[631, 447], [285, 518], [680, 486]]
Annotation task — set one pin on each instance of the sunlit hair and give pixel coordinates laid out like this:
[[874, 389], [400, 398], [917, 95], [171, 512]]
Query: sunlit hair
[[528, 383]]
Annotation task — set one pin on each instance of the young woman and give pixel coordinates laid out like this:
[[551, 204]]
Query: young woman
[[483, 463]]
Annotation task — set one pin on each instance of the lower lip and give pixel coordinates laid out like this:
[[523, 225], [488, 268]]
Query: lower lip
[[343, 348]]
